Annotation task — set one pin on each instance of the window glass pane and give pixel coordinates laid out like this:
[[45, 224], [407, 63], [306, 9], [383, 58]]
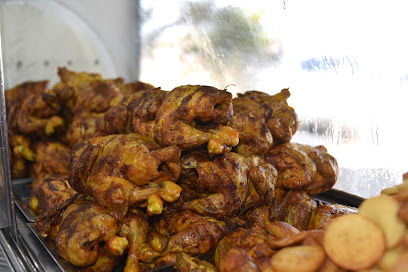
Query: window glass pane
[[345, 63]]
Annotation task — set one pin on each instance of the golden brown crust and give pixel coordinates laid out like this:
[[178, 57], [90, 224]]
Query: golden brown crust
[[227, 184], [303, 167], [84, 225], [110, 168], [263, 120], [189, 112]]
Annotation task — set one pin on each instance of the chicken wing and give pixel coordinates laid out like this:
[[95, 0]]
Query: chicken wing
[[84, 225], [21, 156], [51, 158], [135, 113], [227, 184], [296, 208], [86, 125], [15, 96], [325, 212], [39, 115], [184, 231], [86, 98], [262, 120], [135, 228], [114, 169], [192, 116], [245, 250], [20, 145], [50, 169], [49, 193], [303, 167], [14, 100]]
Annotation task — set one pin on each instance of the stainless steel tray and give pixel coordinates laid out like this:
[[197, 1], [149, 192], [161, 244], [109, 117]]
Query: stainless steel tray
[[22, 190], [67, 267], [50, 247]]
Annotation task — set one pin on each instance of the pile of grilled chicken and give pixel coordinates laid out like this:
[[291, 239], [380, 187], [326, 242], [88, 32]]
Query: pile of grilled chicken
[[126, 173]]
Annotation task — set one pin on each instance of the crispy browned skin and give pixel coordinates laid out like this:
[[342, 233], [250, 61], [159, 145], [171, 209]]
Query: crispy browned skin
[[325, 212], [72, 84], [47, 223], [262, 120], [192, 116], [296, 208], [187, 263], [49, 193], [145, 111], [188, 116], [85, 234], [135, 228], [237, 259], [97, 97], [51, 112], [38, 115], [88, 97], [257, 217], [245, 250], [227, 184], [118, 119], [51, 158], [21, 155], [85, 224], [303, 167], [86, 125], [135, 113], [112, 169], [128, 176], [106, 262], [15, 96], [193, 234], [20, 145], [14, 100], [184, 231], [50, 169]]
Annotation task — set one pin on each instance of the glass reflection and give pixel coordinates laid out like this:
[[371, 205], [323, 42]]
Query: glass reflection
[[344, 63]]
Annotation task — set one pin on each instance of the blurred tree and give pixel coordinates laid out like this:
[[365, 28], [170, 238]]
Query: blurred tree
[[229, 43], [227, 40]]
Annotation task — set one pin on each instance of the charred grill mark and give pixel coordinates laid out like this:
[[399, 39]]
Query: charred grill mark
[[80, 164], [227, 167], [90, 243], [184, 109], [51, 186], [123, 170], [163, 168]]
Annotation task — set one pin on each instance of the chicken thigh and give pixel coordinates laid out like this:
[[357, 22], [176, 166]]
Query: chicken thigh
[[121, 170], [303, 167], [193, 115], [262, 120], [226, 185]]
